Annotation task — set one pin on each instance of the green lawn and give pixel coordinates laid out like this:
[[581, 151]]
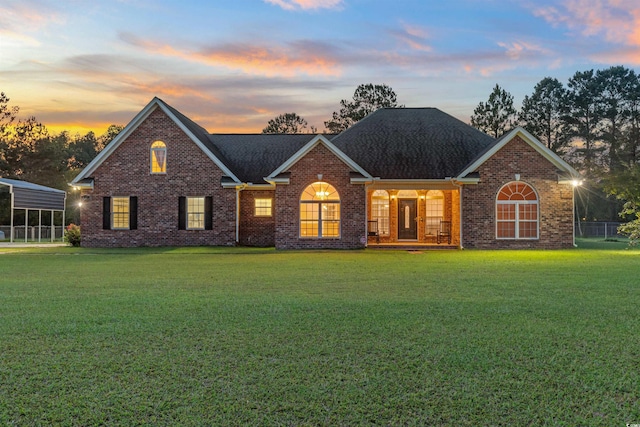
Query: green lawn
[[210, 336]]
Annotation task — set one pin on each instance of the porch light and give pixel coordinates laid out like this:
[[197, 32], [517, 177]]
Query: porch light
[[576, 182]]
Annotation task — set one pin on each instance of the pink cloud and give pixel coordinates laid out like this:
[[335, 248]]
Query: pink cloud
[[286, 60], [518, 49], [413, 36], [617, 20], [306, 4], [19, 19]]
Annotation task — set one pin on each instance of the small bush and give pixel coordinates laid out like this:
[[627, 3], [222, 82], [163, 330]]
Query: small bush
[[72, 235]]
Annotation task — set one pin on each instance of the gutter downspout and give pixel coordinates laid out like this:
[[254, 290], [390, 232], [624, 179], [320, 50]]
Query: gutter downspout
[[459, 186], [238, 190], [573, 211], [12, 213]]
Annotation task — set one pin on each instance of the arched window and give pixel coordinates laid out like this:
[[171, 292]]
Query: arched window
[[158, 157], [380, 211], [434, 206], [517, 212], [320, 211]]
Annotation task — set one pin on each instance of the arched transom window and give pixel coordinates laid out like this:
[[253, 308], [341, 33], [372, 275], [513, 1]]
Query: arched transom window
[[320, 211], [517, 212], [158, 157], [380, 211]]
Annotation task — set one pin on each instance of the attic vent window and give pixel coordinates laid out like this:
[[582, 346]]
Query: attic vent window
[[158, 157]]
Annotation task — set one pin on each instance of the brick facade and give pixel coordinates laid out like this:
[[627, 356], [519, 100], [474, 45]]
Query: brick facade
[[555, 200], [320, 160], [256, 230], [126, 172]]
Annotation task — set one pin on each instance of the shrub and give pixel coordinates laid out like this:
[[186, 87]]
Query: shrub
[[72, 235]]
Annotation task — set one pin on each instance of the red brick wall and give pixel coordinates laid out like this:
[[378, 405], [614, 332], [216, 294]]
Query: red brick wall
[[126, 172], [256, 230], [352, 203], [555, 200]]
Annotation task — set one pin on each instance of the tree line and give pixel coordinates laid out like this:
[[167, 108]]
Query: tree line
[[593, 122], [29, 152]]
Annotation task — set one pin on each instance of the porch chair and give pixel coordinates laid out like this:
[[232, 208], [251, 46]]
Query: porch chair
[[372, 230], [444, 233]]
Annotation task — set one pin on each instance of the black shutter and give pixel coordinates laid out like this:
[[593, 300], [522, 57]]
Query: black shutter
[[208, 213], [182, 213], [106, 213], [133, 213]]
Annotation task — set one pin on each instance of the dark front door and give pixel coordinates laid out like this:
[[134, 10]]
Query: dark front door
[[407, 225]]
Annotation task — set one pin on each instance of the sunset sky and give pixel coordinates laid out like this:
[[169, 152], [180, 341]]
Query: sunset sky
[[233, 65]]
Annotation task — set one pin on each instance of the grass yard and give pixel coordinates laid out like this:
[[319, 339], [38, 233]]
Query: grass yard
[[209, 336]]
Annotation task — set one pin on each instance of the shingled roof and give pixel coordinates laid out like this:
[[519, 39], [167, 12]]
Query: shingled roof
[[253, 156], [412, 143]]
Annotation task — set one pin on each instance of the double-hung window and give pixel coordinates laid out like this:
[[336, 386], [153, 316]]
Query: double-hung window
[[195, 213], [120, 213]]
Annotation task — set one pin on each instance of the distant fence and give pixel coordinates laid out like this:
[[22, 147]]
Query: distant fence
[[34, 233], [602, 229]]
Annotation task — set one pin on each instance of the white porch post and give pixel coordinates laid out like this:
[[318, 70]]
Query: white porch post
[[11, 232]]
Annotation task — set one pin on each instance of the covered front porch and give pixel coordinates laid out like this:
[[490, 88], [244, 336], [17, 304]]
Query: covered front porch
[[411, 216]]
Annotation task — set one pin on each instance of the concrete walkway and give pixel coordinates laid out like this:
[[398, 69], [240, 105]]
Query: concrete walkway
[[31, 245]]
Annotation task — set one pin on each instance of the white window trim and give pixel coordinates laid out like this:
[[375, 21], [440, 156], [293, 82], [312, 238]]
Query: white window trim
[[187, 212], [152, 150], [517, 221], [319, 220], [255, 207], [387, 219], [113, 212]]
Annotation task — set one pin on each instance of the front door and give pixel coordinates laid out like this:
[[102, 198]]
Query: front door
[[407, 225]]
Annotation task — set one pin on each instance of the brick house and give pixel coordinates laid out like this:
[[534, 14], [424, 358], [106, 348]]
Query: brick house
[[405, 176]]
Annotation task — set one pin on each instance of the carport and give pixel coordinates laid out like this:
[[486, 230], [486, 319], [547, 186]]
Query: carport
[[33, 197]]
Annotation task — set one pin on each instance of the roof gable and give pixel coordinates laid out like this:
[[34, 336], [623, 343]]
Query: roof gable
[[196, 133], [529, 139], [317, 140]]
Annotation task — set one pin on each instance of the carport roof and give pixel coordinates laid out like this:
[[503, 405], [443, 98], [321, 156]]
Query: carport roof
[[34, 196]]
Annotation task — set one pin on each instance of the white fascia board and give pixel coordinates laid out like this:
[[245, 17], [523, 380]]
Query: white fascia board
[[252, 186], [529, 139], [318, 139], [83, 185], [363, 180], [275, 181], [467, 180], [412, 184]]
